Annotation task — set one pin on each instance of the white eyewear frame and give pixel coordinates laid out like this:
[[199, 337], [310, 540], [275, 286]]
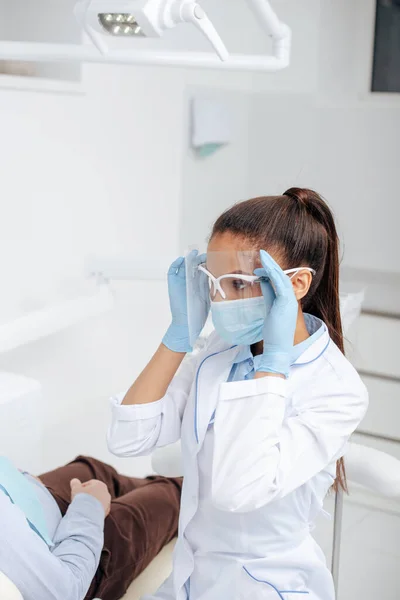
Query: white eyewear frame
[[216, 281]]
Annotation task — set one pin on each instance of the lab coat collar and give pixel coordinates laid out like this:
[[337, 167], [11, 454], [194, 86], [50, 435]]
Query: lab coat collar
[[316, 349]]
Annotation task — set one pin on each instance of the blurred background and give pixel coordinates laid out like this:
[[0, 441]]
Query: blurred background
[[102, 161]]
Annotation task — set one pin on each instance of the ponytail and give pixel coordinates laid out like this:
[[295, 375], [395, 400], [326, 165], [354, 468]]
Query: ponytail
[[323, 299]]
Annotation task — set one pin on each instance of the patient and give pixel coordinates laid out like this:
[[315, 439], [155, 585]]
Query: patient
[[106, 528]]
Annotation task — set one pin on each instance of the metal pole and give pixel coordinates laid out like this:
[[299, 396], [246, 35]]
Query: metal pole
[[337, 537]]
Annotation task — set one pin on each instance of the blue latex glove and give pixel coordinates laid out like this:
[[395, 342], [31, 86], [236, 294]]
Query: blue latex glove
[[177, 335], [280, 322]]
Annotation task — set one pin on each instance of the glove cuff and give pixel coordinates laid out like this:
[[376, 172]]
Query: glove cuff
[[177, 338], [275, 362]]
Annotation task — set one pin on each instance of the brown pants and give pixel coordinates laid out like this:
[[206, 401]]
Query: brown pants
[[143, 518]]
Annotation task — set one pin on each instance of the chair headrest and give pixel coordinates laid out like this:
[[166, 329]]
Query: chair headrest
[[8, 590]]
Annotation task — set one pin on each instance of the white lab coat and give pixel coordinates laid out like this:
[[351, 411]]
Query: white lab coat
[[255, 481]]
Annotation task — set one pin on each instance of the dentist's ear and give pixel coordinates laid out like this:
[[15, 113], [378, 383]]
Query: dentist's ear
[[301, 281]]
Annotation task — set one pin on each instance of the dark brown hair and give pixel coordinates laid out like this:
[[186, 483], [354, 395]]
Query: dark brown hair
[[300, 229]]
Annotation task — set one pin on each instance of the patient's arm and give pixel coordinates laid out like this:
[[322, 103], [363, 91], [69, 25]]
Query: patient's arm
[[65, 573]]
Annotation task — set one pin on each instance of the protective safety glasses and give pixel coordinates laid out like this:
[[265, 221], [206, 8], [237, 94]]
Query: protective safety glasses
[[235, 286]]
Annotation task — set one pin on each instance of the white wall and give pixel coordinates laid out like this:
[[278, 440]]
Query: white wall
[[336, 139], [312, 125], [43, 21], [211, 184]]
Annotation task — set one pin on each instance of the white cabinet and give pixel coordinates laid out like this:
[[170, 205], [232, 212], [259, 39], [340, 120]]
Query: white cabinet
[[383, 416], [373, 348], [376, 341]]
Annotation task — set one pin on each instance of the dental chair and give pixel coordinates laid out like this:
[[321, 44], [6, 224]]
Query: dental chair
[[8, 591]]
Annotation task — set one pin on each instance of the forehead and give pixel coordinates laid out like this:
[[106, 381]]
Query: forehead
[[227, 253], [227, 242], [222, 263]]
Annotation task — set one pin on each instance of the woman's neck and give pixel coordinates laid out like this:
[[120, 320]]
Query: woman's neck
[[301, 334]]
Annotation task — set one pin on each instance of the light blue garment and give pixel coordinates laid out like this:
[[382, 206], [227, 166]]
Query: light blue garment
[[241, 322], [50, 507], [66, 570], [22, 493]]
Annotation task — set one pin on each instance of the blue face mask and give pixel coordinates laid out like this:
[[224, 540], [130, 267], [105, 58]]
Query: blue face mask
[[240, 322]]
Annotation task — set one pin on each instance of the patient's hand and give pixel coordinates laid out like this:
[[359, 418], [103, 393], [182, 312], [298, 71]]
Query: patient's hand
[[94, 488]]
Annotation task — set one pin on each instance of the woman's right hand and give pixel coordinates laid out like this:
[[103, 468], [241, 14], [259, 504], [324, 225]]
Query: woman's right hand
[[177, 337]]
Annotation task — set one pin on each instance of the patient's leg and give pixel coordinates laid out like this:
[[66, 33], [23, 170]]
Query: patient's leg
[[139, 525], [85, 468]]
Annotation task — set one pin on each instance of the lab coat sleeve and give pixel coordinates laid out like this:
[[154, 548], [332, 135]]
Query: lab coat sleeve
[[137, 430], [259, 455], [65, 573]]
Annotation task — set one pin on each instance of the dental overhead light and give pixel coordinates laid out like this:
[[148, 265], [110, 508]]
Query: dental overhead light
[[120, 24], [129, 19], [143, 18]]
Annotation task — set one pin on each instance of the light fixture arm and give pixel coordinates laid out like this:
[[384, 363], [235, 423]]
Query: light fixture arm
[[80, 12], [152, 23], [191, 12]]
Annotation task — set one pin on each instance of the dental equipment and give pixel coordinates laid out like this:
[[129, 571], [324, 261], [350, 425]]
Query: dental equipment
[[151, 18]]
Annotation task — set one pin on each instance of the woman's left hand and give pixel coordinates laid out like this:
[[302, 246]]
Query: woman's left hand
[[280, 322]]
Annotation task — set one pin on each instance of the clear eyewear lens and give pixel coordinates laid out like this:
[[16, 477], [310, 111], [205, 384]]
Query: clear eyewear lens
[[232, 287], [236, 288]]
